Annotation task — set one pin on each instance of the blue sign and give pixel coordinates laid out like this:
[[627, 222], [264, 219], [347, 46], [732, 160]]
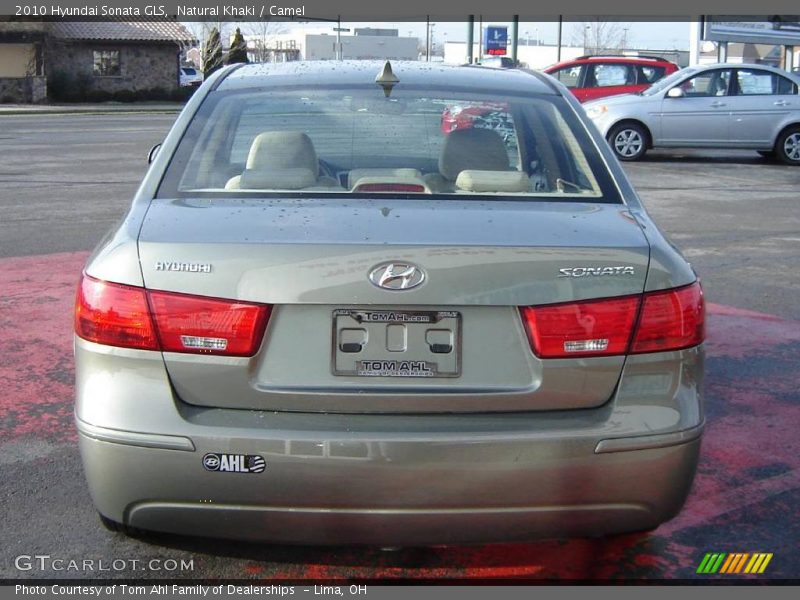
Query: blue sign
[[495, 40]]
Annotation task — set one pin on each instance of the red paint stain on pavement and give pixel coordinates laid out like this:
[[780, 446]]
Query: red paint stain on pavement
[[37, 369], [750, 453]]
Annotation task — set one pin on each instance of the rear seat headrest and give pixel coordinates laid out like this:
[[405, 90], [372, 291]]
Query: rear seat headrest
[[276, 179], [272, 150], [472, 148]]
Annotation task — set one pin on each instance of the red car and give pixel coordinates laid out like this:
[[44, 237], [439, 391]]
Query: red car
[[488, 115], [593, 77]]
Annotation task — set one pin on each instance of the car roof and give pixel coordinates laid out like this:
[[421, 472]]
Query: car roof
[[770, 68], [330, 73], [641, 60]]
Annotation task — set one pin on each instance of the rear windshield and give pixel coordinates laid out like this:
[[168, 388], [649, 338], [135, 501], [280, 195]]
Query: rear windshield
[[359, 141]]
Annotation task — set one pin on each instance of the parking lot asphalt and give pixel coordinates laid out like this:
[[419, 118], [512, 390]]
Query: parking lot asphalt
[[66, 179]]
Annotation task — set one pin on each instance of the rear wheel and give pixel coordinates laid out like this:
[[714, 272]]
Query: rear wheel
[[767, 153], [787, 148], [628, 141]]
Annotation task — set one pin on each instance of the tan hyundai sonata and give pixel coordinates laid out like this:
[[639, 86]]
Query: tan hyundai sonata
[[329, 319]]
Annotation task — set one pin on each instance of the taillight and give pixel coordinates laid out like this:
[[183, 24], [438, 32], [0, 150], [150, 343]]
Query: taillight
[[114, 315], [131, 317], [667, 320], [579, 329], [671, 320], [202, 325]]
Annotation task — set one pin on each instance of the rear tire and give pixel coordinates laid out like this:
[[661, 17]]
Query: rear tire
[[628, 141], [767, 153], [787, 148]]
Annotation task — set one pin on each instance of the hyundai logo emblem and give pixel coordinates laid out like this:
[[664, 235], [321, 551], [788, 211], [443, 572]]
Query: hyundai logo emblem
[[396, 276], [211, 462]]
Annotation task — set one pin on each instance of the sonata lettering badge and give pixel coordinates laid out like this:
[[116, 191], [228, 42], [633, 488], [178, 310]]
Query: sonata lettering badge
[[234, 463], [595, 271]]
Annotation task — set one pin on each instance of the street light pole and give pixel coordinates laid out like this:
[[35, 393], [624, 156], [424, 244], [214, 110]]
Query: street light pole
[[428, 39], [338, 37]]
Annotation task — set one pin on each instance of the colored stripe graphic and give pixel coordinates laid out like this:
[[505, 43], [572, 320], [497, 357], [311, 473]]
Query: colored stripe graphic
[[711, 562], [728, 565], [734, 563]]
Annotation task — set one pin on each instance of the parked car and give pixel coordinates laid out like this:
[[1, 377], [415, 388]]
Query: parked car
[[482, 115], [716, 106], [593, 77], [190, 77], [324, 320], [502, 62]]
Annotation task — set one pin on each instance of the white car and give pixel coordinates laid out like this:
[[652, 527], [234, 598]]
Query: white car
[[716, 106], [190, 77]]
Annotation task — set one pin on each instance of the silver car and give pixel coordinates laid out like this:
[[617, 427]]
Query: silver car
[[326, 320], [717, 106]]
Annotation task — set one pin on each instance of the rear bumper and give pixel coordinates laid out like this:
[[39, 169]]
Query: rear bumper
[[415, 492], [388, 479]]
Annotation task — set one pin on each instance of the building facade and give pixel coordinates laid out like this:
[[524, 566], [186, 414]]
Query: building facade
[[70, 61]]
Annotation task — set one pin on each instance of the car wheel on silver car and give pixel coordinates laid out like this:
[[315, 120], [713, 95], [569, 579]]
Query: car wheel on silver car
[[787, 147], [628, 141]]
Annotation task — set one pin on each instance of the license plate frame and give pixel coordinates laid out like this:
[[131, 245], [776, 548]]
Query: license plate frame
[[424, 360]]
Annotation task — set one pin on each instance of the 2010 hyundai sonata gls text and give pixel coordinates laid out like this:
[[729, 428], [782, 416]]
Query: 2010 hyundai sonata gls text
[[326, 319]]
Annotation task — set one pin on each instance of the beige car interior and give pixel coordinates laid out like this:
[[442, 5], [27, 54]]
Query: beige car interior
[[283, 160], [475, 160], [472, 160]]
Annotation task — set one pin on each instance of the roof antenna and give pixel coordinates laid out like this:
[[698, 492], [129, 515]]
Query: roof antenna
[[386, 79]]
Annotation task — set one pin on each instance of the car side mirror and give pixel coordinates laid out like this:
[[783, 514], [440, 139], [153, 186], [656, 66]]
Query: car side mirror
[[151, 156], [676, 92]]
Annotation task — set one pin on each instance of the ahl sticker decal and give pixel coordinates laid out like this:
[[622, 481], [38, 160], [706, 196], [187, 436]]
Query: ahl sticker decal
[[234, 463]]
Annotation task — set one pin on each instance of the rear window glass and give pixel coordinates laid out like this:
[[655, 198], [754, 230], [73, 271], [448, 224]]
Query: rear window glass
[[762, 83], [609, 75], [358, 141], [569, 76]]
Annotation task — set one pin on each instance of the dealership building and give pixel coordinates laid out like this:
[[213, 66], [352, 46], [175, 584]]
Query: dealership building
[[321, 44]]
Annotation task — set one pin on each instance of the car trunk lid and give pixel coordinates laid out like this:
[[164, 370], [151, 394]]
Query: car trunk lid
[[310, 259]]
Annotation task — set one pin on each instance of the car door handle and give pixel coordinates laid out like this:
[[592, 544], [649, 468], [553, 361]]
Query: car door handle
[[717, 104], [781, 103]]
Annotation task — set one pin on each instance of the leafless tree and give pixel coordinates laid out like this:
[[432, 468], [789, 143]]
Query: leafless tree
[[598, 35], [258, 39]]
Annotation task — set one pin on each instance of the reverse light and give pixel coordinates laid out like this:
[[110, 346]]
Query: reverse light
[[578, 329], [132, 317], [202, 325], [654, 322]]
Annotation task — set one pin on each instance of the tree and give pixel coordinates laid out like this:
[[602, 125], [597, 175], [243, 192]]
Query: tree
[[261, 46], [238, 50], [212, 53], [598, 36]]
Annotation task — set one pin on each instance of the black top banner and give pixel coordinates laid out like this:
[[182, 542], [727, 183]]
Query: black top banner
[[369, 10]]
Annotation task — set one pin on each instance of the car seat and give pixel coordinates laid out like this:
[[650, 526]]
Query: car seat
[[470, 149], [283, 160]]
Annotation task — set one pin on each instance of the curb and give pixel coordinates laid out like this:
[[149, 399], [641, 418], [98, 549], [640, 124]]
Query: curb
[[91, 110]]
